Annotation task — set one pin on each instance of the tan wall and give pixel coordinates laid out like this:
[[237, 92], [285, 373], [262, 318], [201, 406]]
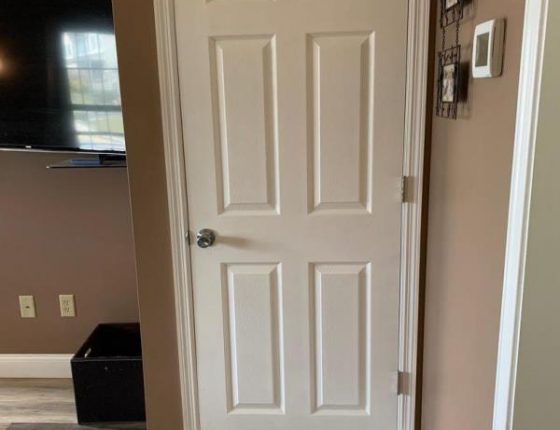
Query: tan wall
[[62, 232], [469, 194], [134, 20], [538, 377]]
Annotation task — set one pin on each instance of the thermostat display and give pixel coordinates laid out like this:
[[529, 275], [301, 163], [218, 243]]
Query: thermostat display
[[488, 49]]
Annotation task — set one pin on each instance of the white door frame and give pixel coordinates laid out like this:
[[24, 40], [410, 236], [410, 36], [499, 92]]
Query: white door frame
[[413, 164], [532, 53]]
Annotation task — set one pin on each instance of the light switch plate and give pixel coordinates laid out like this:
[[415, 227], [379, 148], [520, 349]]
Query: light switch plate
[[67, 305], [27, 307]]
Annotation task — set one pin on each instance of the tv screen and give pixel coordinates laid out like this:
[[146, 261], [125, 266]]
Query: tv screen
[[59, 80]]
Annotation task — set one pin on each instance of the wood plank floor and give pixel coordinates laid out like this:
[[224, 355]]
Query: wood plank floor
[[36, 401]]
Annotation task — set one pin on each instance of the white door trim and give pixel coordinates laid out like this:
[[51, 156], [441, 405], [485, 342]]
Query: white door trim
[[415, 118], [534, 32], [413, 166], [164, 11]]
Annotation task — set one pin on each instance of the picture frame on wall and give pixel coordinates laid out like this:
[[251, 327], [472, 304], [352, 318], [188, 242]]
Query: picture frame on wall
[[448, 87], [448, 93]]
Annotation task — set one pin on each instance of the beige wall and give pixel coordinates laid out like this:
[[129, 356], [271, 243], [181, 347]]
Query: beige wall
[[469, 192], [62, 232], [538, 377], [134, 20]]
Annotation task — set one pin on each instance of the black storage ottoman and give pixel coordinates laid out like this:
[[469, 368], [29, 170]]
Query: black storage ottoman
[[107, 375]]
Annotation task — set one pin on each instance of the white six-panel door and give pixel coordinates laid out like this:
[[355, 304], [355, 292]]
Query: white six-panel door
[[293, 116]]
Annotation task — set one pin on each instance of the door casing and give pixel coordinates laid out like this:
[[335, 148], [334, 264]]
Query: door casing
[[528, 102], [411, 244]]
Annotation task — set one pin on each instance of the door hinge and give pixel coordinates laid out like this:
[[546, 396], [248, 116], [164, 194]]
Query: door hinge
[[188, 238], [406, 189], [402, 383]]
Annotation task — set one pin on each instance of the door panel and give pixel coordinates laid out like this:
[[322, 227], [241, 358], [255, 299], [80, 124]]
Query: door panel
[[341, 93], [245, 76], [341, 335], [252, 311], [293, 115]]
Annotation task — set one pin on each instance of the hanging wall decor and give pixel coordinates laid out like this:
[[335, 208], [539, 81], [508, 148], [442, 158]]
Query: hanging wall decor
[[451, 11], [448, 82], [449, 61]]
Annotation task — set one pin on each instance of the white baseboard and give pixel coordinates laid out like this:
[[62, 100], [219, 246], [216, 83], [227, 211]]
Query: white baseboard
[[35, 366]]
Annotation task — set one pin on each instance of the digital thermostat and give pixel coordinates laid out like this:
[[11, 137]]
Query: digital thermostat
[[488, 49]]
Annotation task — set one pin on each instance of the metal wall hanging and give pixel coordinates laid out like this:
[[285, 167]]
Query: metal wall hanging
[[449, 60], [448, 82], [451, 11]]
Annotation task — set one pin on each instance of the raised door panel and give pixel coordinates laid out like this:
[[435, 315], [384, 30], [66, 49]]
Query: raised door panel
[[340, 75], [246, 126], [253, 338], [341, 315]]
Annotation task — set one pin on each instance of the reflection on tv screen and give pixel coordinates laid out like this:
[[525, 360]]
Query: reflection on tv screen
[[93, 79], [59, 80]]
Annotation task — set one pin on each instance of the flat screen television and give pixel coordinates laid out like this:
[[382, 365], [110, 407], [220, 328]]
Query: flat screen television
[[59, 80]]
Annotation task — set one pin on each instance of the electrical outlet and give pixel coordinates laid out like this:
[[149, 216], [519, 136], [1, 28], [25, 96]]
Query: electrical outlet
[[67, 305], [27, 307]]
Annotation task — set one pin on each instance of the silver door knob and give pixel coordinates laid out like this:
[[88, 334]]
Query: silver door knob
[[205, 238]]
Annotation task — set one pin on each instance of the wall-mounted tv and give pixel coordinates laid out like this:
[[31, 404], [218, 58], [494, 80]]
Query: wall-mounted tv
[[59, 80]]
